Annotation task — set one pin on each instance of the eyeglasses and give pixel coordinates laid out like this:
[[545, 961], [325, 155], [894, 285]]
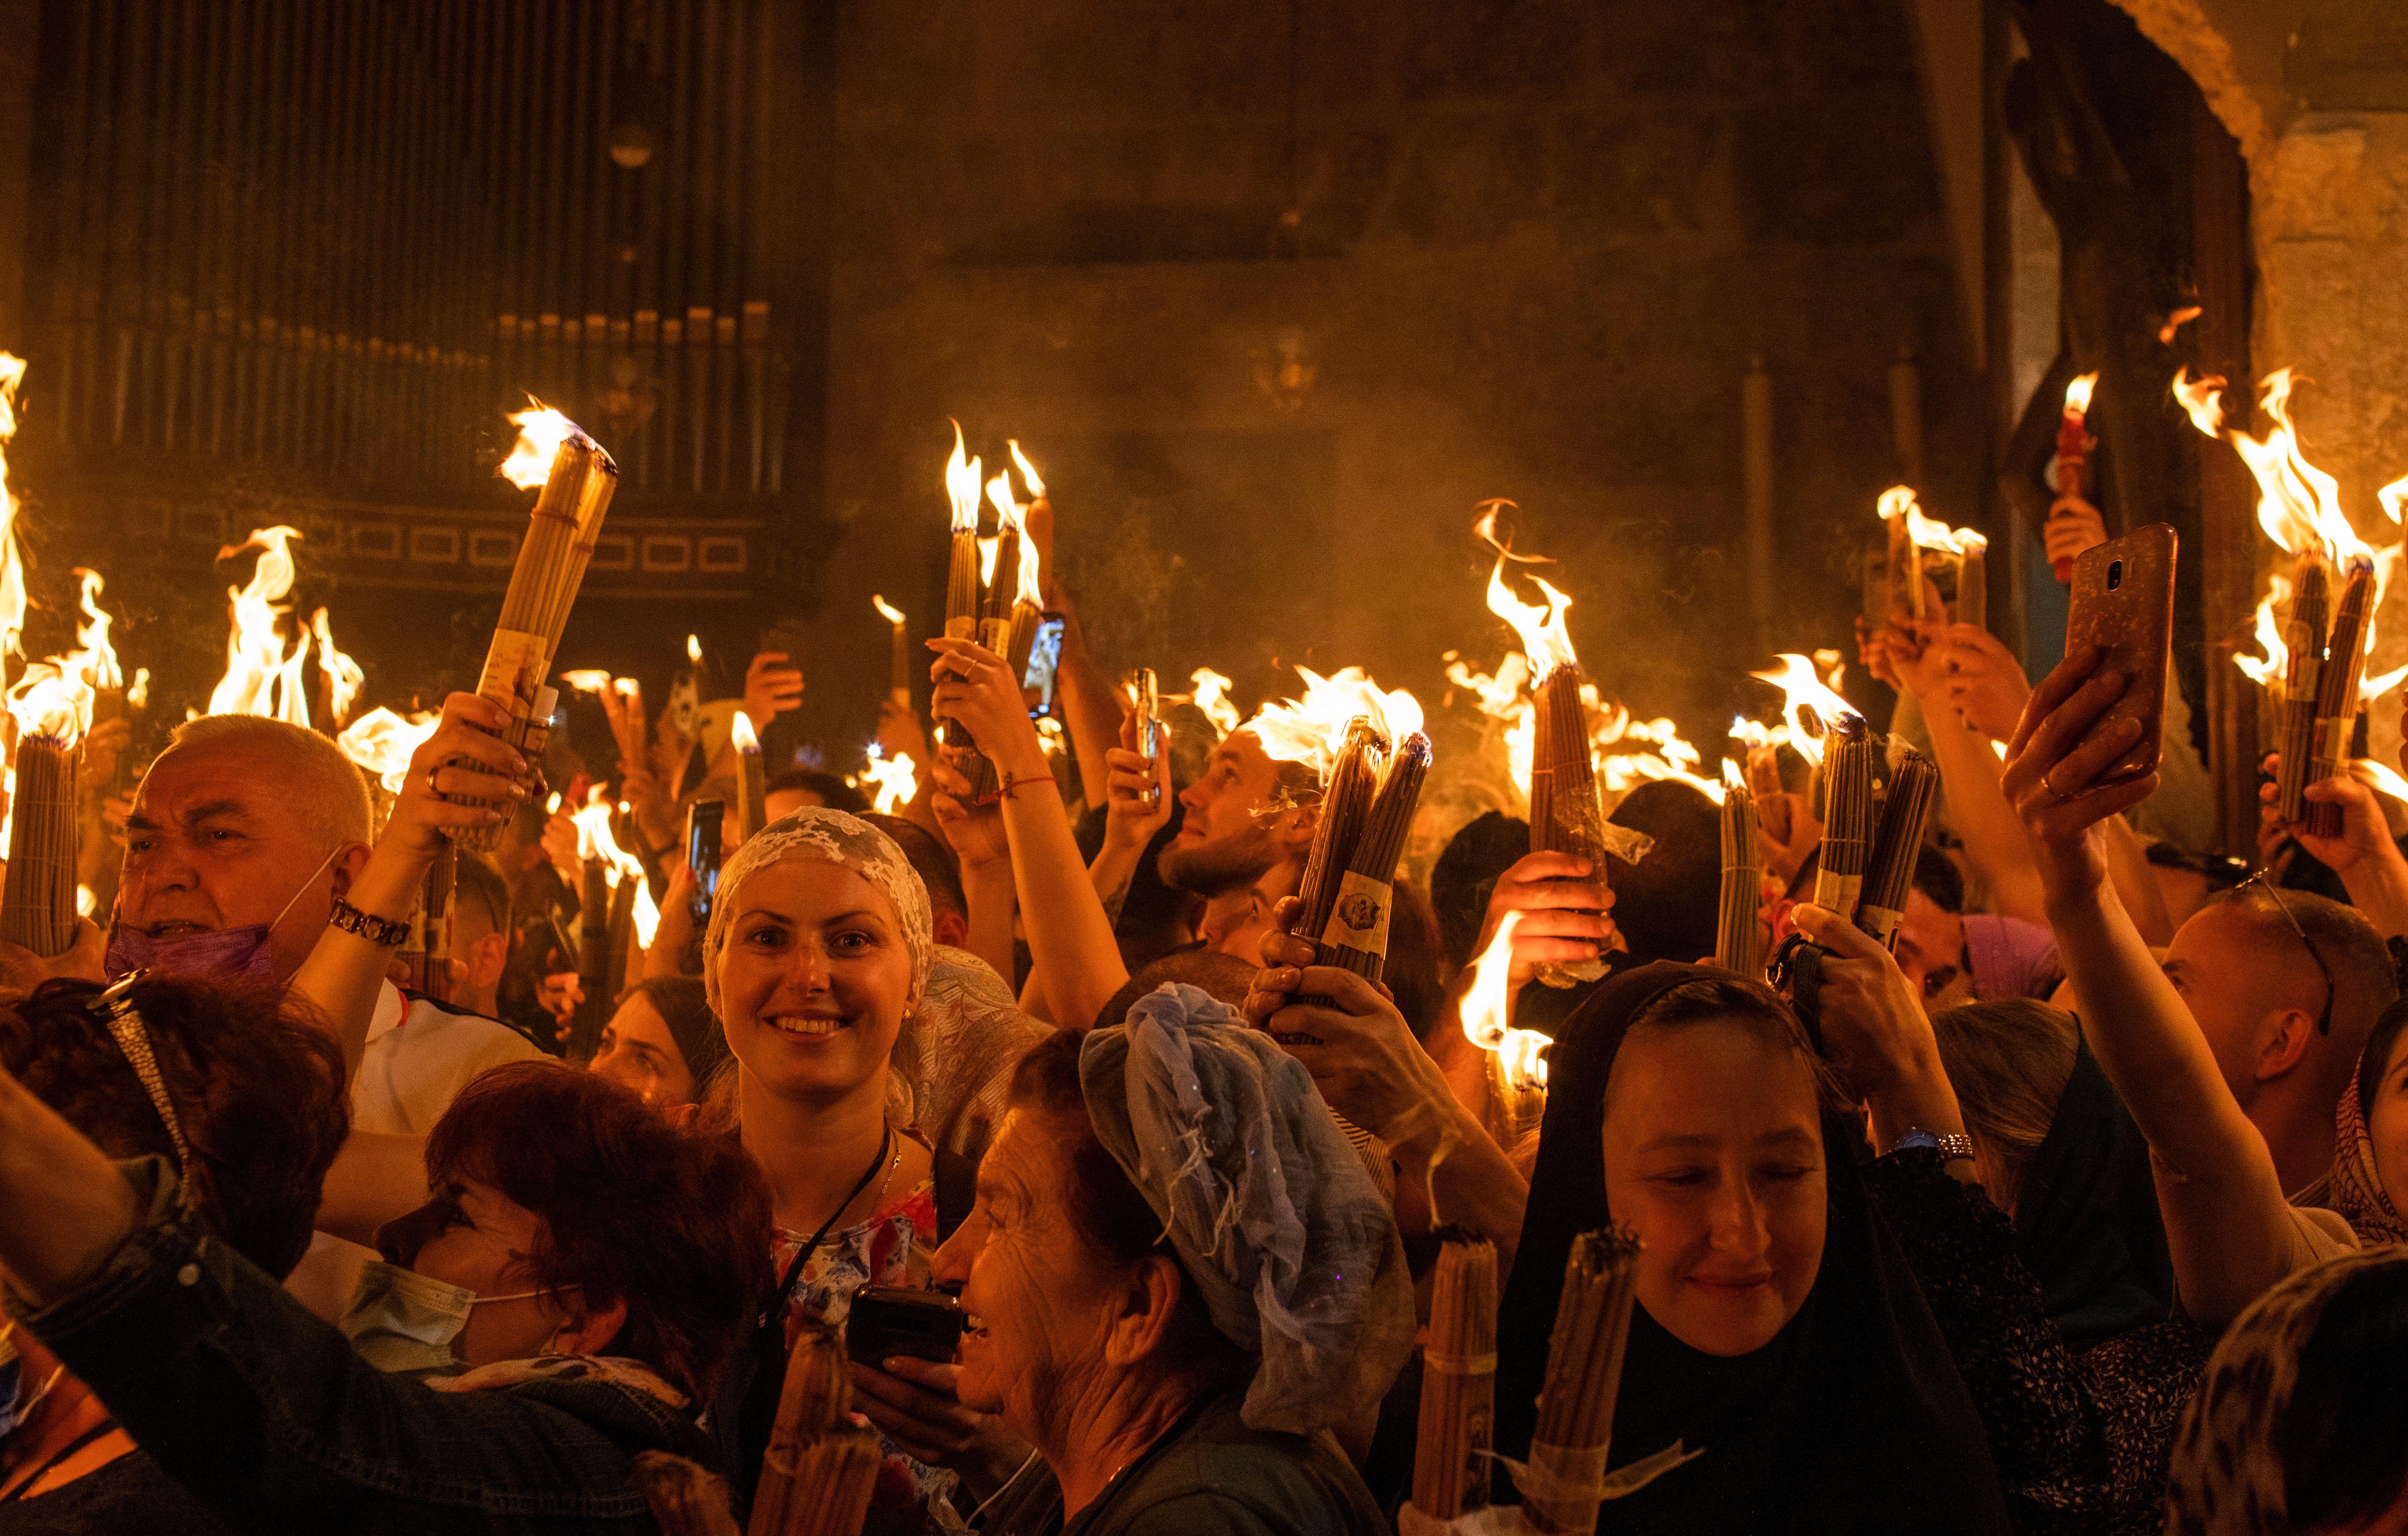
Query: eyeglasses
[[2274, 892]]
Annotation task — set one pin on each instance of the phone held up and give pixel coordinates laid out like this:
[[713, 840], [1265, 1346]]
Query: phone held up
[[703, 847], [890, 1320], [2124, 604]]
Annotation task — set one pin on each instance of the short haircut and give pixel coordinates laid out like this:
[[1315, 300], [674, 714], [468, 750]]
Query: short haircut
[[675, 1222], [1466, 875], [256, 1085], [934, 863], [2342, 1438], [1938, 877], [1669, 904], [325, 790], [1224, 977], [2364, 981], [482, 889], [834, 792]]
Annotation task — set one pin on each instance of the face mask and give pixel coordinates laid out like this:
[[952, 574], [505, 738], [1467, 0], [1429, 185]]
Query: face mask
[[402, 1320], [221, 952]]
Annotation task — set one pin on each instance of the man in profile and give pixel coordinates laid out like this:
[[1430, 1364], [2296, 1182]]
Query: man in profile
[[1242, 844]]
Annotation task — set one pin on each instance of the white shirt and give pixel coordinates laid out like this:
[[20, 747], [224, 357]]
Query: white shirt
[[416, 1065]]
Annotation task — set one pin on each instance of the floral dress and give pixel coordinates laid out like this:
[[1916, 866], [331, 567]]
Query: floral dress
[[896, 1247]]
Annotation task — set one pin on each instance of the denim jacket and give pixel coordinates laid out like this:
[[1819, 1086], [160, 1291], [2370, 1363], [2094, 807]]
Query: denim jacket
[[265, 1413]]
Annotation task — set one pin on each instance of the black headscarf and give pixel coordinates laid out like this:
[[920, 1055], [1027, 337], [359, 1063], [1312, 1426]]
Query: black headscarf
[[2086, 1223], [1853, 1419]]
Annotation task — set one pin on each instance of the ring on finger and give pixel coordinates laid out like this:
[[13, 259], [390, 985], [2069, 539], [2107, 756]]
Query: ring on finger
[[2053, 792], [431, 788]]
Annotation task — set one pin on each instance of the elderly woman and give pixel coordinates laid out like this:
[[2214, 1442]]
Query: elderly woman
[[569, 1296], [1179, 1275]]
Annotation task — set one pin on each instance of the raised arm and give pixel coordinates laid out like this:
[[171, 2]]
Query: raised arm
[[976, 835], [1129, 820], [1069, 939], [345, 971], [2229, 1229], [2369, 863], [1920, 658]]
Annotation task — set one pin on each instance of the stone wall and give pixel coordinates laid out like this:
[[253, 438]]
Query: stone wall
[[1539, 244]]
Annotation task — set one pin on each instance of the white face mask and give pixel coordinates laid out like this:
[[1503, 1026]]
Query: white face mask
[[402, 1320]]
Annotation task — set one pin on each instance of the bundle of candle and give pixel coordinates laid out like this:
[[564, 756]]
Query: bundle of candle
[[963, 608], [1848, 811], [820, 1468], [686, 1498], [1739, 945], [37, 906], [1565, 1480], [434, 909], [574, 480], [2344, 668], [616, 915], [1365, 752], [1458, 1379], [2304, 637], [1906, 808]]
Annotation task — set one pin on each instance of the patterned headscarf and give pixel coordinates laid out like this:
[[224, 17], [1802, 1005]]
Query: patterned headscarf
[[2226, 1475], [2358, 1191], [830, 837]]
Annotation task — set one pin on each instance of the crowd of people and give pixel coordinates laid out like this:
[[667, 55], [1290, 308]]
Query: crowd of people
[[2076, 1209]]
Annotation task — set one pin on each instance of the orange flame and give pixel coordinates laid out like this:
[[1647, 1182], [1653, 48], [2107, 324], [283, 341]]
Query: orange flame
[[1927, 533], [998, 493], [987, 549], [260, 677], [893, 781], [594, 841], [1211, 696], [12, 561], [962, 485], [2077, 394], [94, 656], [587, 679], [344, 677], [1027, 471], [541, 431], [382, 742], [1485, 1011], [1546, 639], [1314, 729], [48, 701], [694, 648], [741, 732], [2270, 671], [886, 610], [1805, 697], [2202, 399], [1031, 590]]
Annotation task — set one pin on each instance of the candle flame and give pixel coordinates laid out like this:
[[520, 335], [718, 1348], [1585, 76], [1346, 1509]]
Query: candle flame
[[693, 649], [1484, 1013], [2270, 671], [12, 559], [987, 549], [2175, 322], [1927, 532], [1805, 698], [2393, 498], [1007, 511], [1028, 476], [94, 656], [2202, 399], [594, 841], [1546, 640], [893, 781], [138, 692], [260, 677], [1733, 777], [2077, 394], [587, 679], [382, 742], [542, 433], [48, 701], [886, 610], [962, 485], [344, 677], [740, 731], [1030, 589], [1211, 696], [1314, 729], [2379, 777]]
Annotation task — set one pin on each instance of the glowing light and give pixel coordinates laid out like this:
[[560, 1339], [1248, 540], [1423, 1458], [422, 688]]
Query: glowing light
[[94, 657], [1546, 640], [741, 732], [998, 495], [1211, 696], [1028, 476], [962, 485], [694, 648], [1927, 533], [1314, 729], [595, 842], [48, 701], [1805, 698], [344, 677], [2270, 671], [261, 679], [541, 431], [1485, 1011], [587, 679], [381, 742], [12, 559], [894, 781], [886, 610], [2202, 399], [2077, 393]]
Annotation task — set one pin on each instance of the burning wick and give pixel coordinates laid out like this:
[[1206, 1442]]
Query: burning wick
[[1488, 1007], [899, 679], [2073, 443]]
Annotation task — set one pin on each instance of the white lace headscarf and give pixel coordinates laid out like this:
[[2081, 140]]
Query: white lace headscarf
[[830, 837]]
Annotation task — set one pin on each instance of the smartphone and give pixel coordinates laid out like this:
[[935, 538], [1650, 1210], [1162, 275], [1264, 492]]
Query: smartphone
[[1044, 663], [704, 828], [2122, 602], [890, 1320], [1145, 697]]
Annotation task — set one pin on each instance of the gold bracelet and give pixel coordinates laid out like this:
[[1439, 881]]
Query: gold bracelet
[[382, 931]]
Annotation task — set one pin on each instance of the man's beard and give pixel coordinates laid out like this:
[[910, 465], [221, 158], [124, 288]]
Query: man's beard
[[1226, 863]]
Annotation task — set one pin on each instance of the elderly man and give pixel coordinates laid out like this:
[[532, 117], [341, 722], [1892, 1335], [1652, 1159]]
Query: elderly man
[[244, 837], [1242, 862]]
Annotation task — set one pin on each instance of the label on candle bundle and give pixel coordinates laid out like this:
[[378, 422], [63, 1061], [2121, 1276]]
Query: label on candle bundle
[[2337, 729], [1879, 921], [514, 669], [1838, 892], [1358, 919]]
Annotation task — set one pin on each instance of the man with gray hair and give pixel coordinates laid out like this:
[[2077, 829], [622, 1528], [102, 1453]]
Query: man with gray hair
[[244, 837]]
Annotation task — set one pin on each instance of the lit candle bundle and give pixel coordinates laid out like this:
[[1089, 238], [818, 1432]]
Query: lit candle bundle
[[1905, 563], [1972, 579], [1848, 756], [1739, 945], [38, 905], [820, 1468], [1906, 808], [2337, 690], [434, 912], [963, 607], [2305, 636], [1367, 752], [1027, 607], [2073, 446], [1000, 574], [593, 958], [1458, 1380], [1565, 1480], [576, 481], [899, 677], [752, 804]]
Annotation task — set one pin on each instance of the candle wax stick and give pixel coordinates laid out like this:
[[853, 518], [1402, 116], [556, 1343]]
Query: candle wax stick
[[756, 807], [2305, 636], [899, 682], [2337, 694], [1973, 587]]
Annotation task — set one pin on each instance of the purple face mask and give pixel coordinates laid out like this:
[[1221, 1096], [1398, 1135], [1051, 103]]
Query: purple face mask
[[218, 952]]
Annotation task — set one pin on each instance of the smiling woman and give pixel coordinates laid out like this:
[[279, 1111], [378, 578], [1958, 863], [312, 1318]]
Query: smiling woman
[[1777, 1329]]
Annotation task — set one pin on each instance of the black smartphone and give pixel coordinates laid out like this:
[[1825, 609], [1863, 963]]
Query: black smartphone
[[890, 1320], [702, 849], [1044, 661]]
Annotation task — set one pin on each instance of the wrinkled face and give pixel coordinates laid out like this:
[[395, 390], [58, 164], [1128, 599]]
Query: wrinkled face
[[638, 1052], [1222, 845], [210, 844], [1039, 1314], [814, 980], [473, 1235], [1931, 952], [2232, 974], [1714, 1153], [2386, 1123]]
